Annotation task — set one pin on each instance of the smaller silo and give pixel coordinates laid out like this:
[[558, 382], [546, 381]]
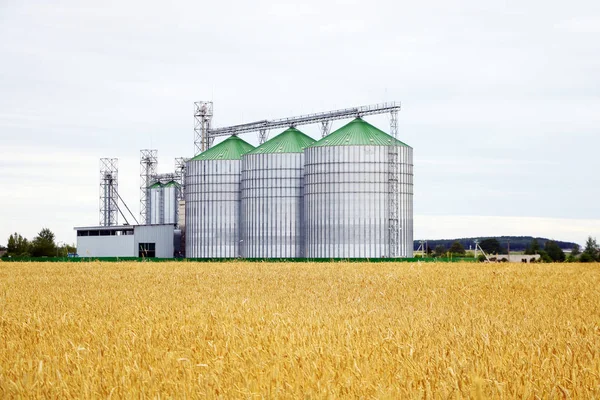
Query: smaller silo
[[156, 203], [170, 196], [272, 197]]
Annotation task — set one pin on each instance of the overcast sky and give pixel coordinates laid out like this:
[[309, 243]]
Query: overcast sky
[[500, 100]]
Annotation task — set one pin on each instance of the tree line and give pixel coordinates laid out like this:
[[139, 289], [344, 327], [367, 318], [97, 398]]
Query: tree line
[[43, 245], [517, 243], [550, 252]]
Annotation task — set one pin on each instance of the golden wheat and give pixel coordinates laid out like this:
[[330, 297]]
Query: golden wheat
[[289, 330]]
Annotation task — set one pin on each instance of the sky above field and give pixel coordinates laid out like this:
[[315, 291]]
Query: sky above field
[[500, 100]]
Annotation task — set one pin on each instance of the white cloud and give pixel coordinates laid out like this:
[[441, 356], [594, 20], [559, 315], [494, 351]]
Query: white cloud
[[590, 25]]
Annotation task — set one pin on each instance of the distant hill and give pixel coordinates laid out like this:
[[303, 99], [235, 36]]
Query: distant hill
[[517, 243]]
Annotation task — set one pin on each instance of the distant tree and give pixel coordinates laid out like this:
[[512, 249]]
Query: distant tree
[[491, 246], [17, 245], [440, 250], [457, 248], [533, 248], [544, 257], [586, 258], [575, 251], [555, 253], [591, 252], [43, 245], [65, 249]]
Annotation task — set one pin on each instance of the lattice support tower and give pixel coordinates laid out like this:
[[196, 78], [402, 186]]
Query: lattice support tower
[[109, 184], [394, 123], [325, 128], [203, 113], [263, 135], [394, 203], [148, 164], [180, 163]]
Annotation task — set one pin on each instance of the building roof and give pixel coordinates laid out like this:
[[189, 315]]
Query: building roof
[[288, 141], [104, 228], [155, 185], [231, 148], [115, 227], [358, 133]]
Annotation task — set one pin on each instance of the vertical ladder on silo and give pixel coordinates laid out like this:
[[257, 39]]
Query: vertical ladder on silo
[[161, 202], [393, 187]]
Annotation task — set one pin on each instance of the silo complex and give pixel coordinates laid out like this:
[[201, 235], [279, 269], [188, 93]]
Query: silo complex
[[272, 197], [358, 195], [212, 193]]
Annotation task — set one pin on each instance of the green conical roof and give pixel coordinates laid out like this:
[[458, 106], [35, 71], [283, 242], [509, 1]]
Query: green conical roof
[[288, 141], [231, 148], [155, 185], [359, 133], [171, 183]]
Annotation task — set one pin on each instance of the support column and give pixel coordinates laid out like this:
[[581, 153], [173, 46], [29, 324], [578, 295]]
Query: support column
[[263, 136], [393, 203], [108, 191], [325, 128], [394, 123], [203, 113], [148, 163]]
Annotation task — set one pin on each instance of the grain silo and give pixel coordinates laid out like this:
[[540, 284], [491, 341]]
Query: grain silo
[[272, 197], [170, 203], [212, 200], [156, 203], [358, 195]]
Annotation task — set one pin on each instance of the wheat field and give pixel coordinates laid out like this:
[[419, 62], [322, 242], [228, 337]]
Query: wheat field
[[299, 330]]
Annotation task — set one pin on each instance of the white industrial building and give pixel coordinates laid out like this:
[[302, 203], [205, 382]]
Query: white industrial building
[[160, 241]]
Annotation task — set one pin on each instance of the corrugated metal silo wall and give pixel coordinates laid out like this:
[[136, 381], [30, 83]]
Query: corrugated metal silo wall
[[155, 209], [272, 205], [212, 208], [170, 204], [346, 196], [405, 188]]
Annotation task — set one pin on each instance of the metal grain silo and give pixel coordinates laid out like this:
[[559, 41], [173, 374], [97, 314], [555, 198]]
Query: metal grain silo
[[212, 200], [170, 203], [272, 202], [156, 203], [358, 195]]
